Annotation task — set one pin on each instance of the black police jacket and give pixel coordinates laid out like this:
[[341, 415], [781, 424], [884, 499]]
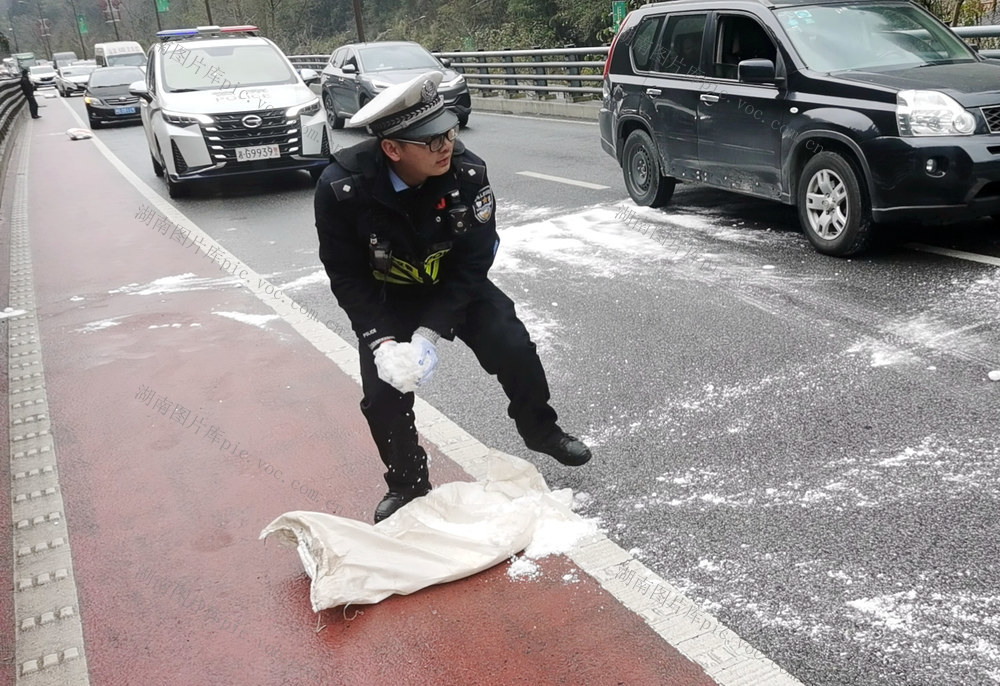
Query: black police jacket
[[27, 87], [424, 251]]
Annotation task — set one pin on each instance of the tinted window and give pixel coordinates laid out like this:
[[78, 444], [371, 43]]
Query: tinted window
[[741, 38], [112, 76], [77, 70], [385, 57], [642, 50], [128, 60], [679, 50], [337, 58]]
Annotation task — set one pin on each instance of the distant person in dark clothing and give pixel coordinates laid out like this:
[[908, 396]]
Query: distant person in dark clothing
[[28, 88]]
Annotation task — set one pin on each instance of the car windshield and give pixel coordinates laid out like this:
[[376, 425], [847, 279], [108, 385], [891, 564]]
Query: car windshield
[[42, 71], [77, 70], [133, 59], [886, 36], [193, 67], [111, 76], [389, 57]]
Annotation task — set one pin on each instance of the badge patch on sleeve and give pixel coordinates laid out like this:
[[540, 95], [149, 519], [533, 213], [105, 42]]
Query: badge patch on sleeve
[[482, 206]]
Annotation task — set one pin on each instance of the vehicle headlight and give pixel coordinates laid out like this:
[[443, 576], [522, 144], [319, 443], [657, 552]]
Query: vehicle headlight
[[184, 119], [306, 110], [929, 113], [91, 100], [378, 84], [454, 83]]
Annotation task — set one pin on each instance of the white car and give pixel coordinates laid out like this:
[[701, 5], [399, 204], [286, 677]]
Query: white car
[[42, 75], [224, 101], [72, 78]]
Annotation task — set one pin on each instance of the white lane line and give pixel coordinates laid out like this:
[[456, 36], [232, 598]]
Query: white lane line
[[958, 254], [560, 179], [48, 644], [683, 624]]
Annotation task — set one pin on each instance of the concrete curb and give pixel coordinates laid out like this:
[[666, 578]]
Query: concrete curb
[[586, 110]]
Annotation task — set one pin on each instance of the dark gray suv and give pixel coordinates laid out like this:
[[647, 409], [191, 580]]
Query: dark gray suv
[[854, 112]]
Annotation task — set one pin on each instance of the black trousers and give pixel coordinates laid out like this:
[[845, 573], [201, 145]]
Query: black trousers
[[504, 349], [32, 105]]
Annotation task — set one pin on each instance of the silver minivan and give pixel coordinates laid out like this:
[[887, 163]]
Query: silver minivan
[[225, 101]]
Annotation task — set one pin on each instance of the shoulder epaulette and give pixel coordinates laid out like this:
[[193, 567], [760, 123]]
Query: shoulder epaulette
[[469, 172], [345, 188]]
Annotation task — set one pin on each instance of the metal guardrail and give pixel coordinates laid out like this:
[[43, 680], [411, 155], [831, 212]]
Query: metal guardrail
[[12, 101], [565, 73], [542, 73]]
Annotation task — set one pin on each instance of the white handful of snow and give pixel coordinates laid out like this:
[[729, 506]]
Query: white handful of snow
[[398, 365]]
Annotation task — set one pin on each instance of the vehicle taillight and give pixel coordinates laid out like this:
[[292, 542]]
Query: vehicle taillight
[[614, 41]]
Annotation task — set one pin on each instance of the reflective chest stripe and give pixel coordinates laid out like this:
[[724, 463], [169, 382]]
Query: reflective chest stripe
[[402, 272]]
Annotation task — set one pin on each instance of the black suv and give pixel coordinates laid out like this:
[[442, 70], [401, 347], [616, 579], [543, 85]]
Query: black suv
[[855, 112]]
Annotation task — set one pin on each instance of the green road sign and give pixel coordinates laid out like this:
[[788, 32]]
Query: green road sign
[[81, 22], [619, 9], [162, 6]]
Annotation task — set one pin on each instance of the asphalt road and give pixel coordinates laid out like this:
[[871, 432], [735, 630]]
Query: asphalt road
[[807, 445]]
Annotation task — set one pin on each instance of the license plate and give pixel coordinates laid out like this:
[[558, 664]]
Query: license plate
[[259, 152], [124, 110]]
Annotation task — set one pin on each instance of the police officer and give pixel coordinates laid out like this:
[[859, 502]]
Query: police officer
[[28, 88], [407, 235]]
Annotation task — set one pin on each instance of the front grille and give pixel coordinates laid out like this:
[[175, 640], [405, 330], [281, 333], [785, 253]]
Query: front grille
[[992, 115], [229, 132], [122, 101]]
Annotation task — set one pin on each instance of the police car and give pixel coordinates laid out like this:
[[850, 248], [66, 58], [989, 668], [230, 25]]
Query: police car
[[222, 101]]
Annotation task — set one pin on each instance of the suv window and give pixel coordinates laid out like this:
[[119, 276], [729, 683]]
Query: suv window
[[740, 38], [337, 58], [680, 45], [643, 54]]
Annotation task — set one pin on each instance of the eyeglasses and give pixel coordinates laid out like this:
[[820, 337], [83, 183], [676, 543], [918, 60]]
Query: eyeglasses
[[434, 143]]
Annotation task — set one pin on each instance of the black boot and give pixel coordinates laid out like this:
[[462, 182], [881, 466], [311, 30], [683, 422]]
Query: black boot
[[394, 500], [567, 449]]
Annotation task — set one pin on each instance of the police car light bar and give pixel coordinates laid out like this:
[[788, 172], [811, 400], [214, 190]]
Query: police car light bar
[[205, 32]]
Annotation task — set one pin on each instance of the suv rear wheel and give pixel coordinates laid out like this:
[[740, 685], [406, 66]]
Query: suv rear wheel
[[833, 207], [641, 167]]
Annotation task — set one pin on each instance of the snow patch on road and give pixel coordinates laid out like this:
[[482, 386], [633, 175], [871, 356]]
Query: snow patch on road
[[958, 624], [259, 320], [181, 283], [90, 327], [938, 466], [882, 353], [316, 277], [544, 330], [10, 312]]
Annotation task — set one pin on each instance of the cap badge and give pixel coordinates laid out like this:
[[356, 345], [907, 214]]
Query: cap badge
[[428, 92]]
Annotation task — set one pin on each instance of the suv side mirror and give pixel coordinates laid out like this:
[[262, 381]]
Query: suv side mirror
[[446, 62], [309, 76], [755, 71], [350, 69], [139, 90]]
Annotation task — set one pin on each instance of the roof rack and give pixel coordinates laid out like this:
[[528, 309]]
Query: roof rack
[[206, 32]]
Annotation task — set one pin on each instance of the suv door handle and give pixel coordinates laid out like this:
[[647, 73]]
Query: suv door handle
[[709, 98], [654, 92]]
